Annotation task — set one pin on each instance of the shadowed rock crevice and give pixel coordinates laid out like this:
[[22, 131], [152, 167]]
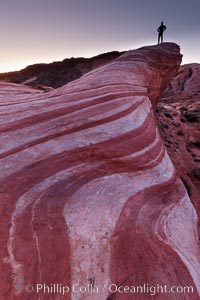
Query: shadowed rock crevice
[[188, 76]]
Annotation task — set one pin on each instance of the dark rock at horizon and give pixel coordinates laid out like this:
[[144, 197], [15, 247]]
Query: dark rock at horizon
[[57, 74]]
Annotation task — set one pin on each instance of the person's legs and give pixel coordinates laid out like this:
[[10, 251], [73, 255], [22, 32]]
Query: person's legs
[[161, 38]]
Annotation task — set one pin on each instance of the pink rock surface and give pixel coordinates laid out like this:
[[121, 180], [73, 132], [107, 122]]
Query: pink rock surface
[[185, 82], [88, 192]]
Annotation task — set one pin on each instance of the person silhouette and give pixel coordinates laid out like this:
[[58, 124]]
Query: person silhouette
[[161, 29]]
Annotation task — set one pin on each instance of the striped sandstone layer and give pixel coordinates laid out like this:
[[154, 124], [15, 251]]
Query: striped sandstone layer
[[88, 192]]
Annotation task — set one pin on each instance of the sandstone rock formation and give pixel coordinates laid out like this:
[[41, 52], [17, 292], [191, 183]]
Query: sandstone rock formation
[[178, 116], [88, 192]]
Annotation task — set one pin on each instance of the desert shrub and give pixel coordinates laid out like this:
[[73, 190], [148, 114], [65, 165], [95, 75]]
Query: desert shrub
[[180, 132], [192, 116], [168, 115], [183, 108], [196, 143]]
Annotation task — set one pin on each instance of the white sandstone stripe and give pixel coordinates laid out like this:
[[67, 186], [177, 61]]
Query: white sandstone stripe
[[128, 184], [86, 137], [12, 139], [141, 152], [186, 217], [88, 225], [33, 196], [24, 110]]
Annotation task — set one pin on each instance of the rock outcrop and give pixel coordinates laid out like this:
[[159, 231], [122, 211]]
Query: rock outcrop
[[178, 116], [89, 195], [58, 73], [185, 83]]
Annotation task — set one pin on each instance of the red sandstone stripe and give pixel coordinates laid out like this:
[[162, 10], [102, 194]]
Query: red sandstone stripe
[[53, 114], [68, 131]]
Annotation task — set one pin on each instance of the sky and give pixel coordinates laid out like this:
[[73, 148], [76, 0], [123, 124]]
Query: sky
[[39, 31]]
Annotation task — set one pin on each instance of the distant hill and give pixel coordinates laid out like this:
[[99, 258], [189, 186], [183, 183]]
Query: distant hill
[[58, 73]]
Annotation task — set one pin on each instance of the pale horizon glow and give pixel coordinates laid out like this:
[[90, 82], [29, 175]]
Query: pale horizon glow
[[19, 65], [38, 32]]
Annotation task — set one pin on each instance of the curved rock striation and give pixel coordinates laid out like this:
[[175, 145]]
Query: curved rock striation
[[88, 193]]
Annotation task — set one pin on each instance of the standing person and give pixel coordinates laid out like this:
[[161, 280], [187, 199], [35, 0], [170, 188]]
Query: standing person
[[161, 29]]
